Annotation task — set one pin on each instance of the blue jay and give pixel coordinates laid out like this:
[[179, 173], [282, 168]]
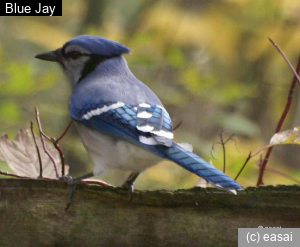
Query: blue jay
[[121, 122]]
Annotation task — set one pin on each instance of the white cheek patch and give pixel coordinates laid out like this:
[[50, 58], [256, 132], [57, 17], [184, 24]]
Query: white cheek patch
[[99, 111], [74, 68]]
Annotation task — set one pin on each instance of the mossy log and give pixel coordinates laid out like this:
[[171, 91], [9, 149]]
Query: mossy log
[[32, 214]]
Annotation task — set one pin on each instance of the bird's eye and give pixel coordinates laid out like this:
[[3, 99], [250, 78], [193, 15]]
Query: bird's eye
[[74, 55]]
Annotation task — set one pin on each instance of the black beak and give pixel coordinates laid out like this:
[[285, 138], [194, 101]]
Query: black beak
[[52, 56]]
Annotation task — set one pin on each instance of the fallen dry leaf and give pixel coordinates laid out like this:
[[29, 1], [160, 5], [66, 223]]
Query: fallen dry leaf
[[21, 156]]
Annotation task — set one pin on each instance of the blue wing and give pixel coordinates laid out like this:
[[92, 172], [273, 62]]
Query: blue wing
[[128, 122]]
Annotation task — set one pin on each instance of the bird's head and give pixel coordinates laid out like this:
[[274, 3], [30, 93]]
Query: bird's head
[[80, 55]]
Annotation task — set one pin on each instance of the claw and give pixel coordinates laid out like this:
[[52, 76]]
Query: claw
[[71, 182], [130, 187], [71, 190], [129, 183]]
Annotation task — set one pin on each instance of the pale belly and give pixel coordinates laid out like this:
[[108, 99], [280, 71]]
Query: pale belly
[[107, 152]]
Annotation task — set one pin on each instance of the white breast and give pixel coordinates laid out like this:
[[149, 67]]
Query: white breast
[[109, 152]]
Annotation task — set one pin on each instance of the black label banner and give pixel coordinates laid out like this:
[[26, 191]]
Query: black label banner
[[31, 8]]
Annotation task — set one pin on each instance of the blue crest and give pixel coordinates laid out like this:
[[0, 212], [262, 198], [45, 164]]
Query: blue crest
[[99, 46]]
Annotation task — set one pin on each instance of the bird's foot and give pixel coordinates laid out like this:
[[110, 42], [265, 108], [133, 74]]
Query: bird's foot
[[71, 182], [128, 184], [130, 187]]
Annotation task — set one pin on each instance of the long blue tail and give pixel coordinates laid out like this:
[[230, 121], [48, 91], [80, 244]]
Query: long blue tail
[[195, 164]]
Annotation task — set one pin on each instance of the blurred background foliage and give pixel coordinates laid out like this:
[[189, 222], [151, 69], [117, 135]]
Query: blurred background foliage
[[209, 61]]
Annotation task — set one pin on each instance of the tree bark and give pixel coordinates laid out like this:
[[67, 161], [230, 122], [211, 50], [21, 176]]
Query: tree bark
[[32, 214]]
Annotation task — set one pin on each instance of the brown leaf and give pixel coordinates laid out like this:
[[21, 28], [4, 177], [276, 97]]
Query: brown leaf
[[21, 156]]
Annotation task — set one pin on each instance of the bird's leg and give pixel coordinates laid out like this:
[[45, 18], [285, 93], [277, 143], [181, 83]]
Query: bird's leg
[[72, 182], [128, 184]]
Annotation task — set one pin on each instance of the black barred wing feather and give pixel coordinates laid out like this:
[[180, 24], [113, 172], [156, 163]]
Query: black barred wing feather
[[155, 123]]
